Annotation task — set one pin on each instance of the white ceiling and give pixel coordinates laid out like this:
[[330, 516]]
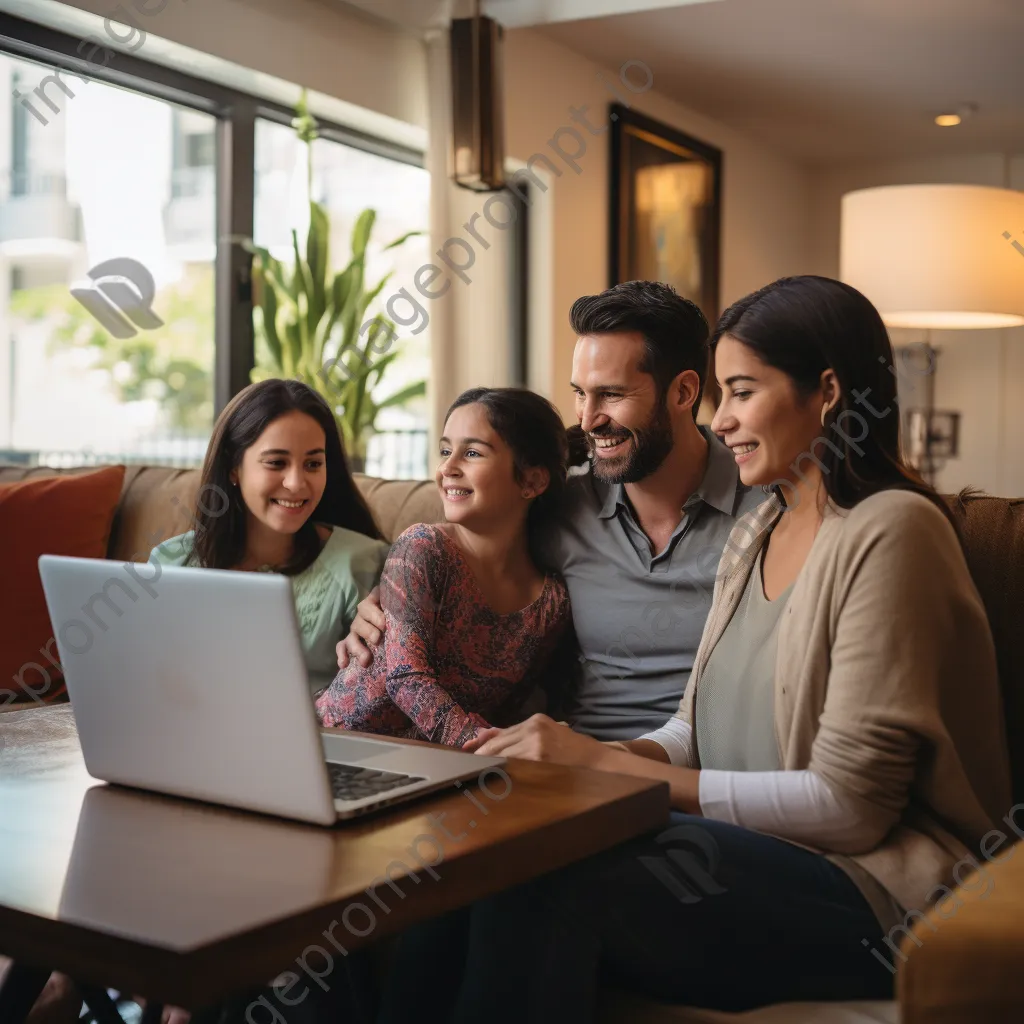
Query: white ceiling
[[823, 81], [516, 13], [827, 81], [427, 14]]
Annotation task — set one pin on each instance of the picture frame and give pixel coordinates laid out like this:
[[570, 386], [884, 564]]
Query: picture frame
[[665, 208]]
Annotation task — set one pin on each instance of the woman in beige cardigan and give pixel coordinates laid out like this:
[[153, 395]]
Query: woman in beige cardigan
[[839, 749]]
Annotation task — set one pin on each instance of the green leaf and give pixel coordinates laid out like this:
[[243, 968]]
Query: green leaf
[[268, 320], [382, 364], [363, 414], [317, 240], [352, 315], [369, 296], [407, 394], [302, 281], [342, 286], [337, 297], [400, 241], [290, 349], [302, 351], [283, 291], [361, 233]]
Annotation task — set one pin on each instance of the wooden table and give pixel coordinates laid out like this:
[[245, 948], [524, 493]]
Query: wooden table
[[189, 904]]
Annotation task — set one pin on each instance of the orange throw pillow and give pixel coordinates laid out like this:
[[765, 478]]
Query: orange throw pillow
[[57, 515]]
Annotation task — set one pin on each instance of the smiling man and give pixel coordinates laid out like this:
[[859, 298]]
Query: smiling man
[[646, 525]]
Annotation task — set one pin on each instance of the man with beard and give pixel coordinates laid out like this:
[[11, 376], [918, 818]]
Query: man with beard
[[644, 529]]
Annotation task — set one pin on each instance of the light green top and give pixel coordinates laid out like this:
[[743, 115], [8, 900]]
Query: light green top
[[326, 593], [736, 698]]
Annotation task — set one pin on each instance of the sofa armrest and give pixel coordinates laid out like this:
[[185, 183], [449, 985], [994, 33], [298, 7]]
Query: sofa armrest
[[963, 961]]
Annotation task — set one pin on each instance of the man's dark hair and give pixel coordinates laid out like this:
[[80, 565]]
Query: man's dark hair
[[674, 329]]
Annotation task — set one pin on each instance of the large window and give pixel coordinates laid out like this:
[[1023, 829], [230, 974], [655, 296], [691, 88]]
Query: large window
[[347, 181], [125, 308], [89, 377]]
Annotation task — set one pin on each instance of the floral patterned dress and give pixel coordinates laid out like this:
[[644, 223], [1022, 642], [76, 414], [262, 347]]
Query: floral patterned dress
[[449, 665]]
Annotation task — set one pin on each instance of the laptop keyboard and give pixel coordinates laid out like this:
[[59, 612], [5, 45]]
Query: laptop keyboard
[[352, 782]]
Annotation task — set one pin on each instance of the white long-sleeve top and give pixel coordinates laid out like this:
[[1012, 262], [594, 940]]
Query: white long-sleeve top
[[795, 805]]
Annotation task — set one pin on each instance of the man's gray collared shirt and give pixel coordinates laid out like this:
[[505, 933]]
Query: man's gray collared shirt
[[639, 615]]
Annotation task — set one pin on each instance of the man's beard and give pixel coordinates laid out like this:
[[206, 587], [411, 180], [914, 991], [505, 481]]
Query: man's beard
[[651, 444]]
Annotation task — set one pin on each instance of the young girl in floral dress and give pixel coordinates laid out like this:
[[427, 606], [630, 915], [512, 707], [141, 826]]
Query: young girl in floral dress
[[473, 620]]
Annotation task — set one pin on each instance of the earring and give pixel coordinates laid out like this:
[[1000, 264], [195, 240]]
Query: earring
[[824, 410], [527, 494]]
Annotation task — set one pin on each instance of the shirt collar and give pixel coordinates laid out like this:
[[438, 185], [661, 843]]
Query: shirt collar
[[614, 496], [718, 487]]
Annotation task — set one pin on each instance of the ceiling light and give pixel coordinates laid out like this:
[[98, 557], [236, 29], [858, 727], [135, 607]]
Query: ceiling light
[[947, 120]]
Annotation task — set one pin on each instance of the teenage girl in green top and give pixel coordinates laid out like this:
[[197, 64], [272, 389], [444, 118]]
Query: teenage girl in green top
[[276, 495]]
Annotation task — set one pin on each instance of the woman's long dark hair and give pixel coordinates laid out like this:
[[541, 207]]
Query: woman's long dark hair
[[806, 325], [220, 521], [533, 430]]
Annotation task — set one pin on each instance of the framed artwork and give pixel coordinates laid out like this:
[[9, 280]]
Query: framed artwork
[[666, 190]]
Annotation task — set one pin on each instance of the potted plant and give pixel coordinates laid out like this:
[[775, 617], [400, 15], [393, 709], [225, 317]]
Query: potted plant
[[306, 316]]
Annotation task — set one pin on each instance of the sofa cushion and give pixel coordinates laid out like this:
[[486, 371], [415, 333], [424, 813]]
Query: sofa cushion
[[158, 502], [993, 533], [68, 515], [398, 504]]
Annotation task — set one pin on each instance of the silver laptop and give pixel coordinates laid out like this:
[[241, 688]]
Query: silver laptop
[[192, 682]]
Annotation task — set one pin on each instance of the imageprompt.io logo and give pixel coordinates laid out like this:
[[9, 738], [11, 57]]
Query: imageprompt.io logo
[[689, 865], [120, 296]]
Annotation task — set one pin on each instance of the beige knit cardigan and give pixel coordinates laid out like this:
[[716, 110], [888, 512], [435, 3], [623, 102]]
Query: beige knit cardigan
[[885, 684]]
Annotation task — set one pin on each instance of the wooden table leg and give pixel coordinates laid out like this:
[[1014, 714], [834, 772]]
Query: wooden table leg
[[19, 990]]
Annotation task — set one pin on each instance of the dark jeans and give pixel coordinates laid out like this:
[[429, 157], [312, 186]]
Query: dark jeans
[[703, 914]]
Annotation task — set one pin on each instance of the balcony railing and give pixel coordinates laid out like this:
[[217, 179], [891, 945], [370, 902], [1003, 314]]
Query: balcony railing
[[397, 455], [192, 182], [32, 183], [35, 206]]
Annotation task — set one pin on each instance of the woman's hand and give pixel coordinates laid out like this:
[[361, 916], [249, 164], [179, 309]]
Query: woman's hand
[[539, 738], [542, 739]]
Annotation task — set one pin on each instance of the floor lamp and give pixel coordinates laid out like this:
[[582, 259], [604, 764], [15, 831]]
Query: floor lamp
[[936, 257]]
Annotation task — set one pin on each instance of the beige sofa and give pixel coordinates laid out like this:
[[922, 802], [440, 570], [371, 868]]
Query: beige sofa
[[933, 986]]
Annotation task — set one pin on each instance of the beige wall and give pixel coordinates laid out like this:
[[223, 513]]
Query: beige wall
[[765, 199], [979, 374]]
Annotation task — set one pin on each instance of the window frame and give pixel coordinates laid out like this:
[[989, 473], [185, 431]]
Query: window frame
[[235, 170]]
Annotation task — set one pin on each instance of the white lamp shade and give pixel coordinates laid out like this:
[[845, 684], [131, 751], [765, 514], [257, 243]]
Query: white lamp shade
[[936, 256]]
